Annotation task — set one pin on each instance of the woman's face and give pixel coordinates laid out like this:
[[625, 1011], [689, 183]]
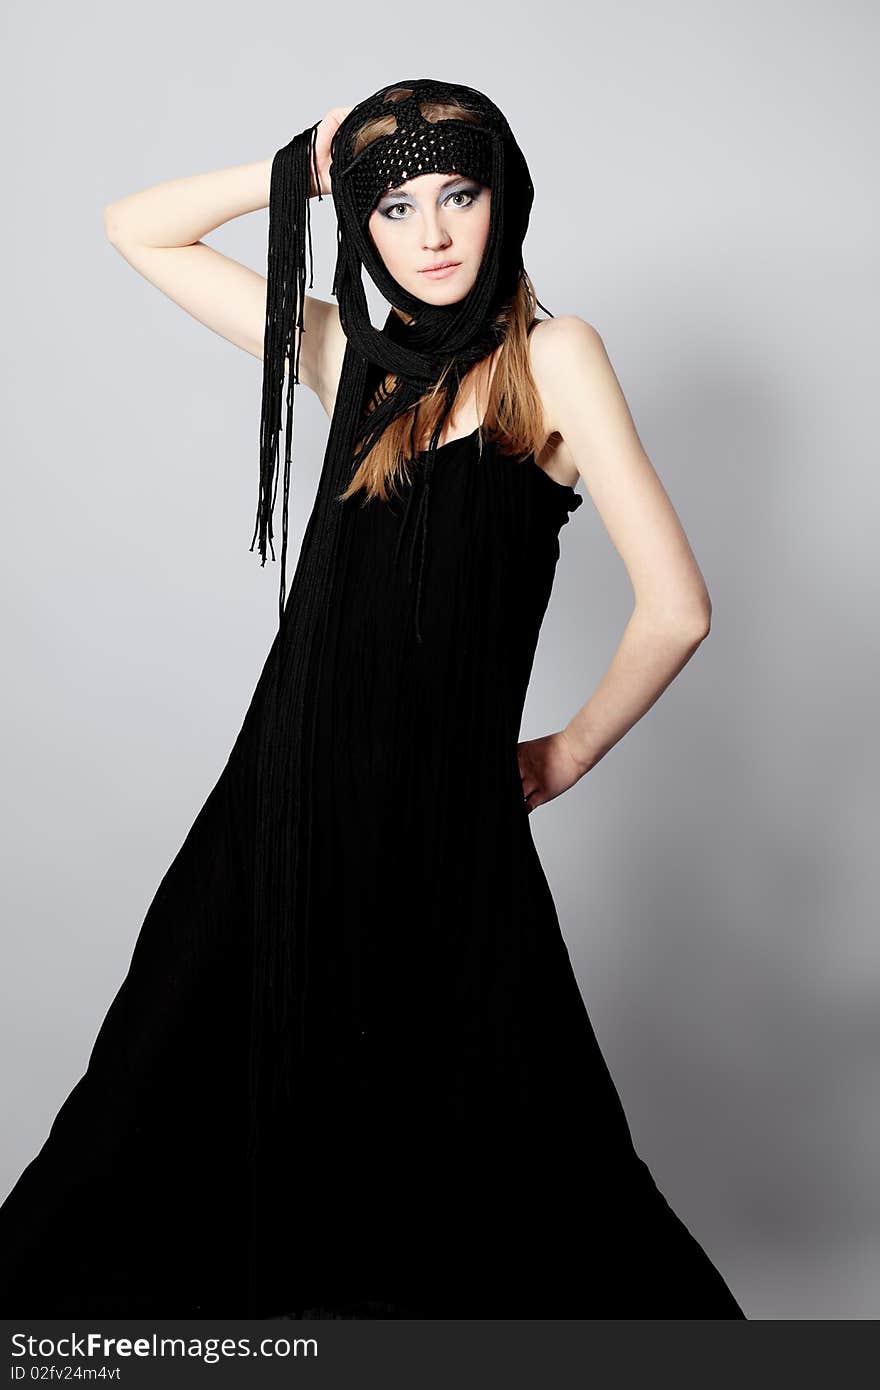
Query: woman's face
[[433, 220]]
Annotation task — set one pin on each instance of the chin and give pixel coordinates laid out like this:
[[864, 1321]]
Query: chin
[[441, 293]]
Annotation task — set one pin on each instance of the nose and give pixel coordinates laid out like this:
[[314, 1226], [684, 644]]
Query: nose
[[435, 235]]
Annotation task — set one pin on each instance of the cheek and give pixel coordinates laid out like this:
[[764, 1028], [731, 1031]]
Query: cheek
[[379, 240], [374, 227], [479, 235], [385, 241]]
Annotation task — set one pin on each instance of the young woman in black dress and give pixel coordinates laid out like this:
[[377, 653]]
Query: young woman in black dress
[[350, 1071]]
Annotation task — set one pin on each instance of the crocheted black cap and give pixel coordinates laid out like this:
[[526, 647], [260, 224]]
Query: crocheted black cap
[[417, 146]]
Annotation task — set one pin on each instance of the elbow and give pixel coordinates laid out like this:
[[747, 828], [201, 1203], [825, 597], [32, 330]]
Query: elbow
[[693, 618], [702, 624], [111, 223], [686, 627], [696, 628]]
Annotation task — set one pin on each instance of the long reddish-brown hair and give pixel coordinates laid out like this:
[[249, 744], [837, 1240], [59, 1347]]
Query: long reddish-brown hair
[[512, 413]]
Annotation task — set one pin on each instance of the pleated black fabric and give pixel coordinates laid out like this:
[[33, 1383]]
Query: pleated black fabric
[[454, 1145]]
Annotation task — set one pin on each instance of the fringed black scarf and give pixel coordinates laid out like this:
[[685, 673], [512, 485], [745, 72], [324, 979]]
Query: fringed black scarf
[[416, 354]]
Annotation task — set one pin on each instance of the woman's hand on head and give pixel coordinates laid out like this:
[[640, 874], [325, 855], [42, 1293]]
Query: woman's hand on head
[[327, 128], [547, 767]]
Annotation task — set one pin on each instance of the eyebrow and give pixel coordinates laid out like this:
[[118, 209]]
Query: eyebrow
[[456, 178]]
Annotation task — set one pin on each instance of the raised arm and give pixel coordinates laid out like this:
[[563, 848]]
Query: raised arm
[[159, 233]]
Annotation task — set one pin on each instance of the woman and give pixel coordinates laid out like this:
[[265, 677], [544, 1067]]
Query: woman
[[350, 1072]]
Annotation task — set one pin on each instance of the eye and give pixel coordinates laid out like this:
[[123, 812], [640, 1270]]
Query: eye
[[463, 193], [390, 210]]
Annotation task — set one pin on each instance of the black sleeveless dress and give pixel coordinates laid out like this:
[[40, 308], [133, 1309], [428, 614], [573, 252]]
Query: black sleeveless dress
[[458, 1146]]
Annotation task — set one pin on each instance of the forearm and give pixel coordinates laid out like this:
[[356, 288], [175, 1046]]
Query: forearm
[[649, 657], [181, 211]]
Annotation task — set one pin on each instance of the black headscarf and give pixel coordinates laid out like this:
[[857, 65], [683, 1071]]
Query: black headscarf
[[415, 353], [460, 334]]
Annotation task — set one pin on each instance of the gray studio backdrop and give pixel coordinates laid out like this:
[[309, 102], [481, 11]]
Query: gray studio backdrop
[[706, 197]]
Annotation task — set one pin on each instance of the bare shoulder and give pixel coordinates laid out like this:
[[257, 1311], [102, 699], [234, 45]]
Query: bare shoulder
[[552, 335], [560, 347], [561, 350]]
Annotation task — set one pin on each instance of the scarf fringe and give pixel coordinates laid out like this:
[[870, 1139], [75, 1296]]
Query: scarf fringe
[[290, 242]]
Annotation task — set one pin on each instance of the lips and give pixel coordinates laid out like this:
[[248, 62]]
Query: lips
[[444, 265]]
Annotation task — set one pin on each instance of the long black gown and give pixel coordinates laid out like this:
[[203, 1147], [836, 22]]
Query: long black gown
[[458, 1146]]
